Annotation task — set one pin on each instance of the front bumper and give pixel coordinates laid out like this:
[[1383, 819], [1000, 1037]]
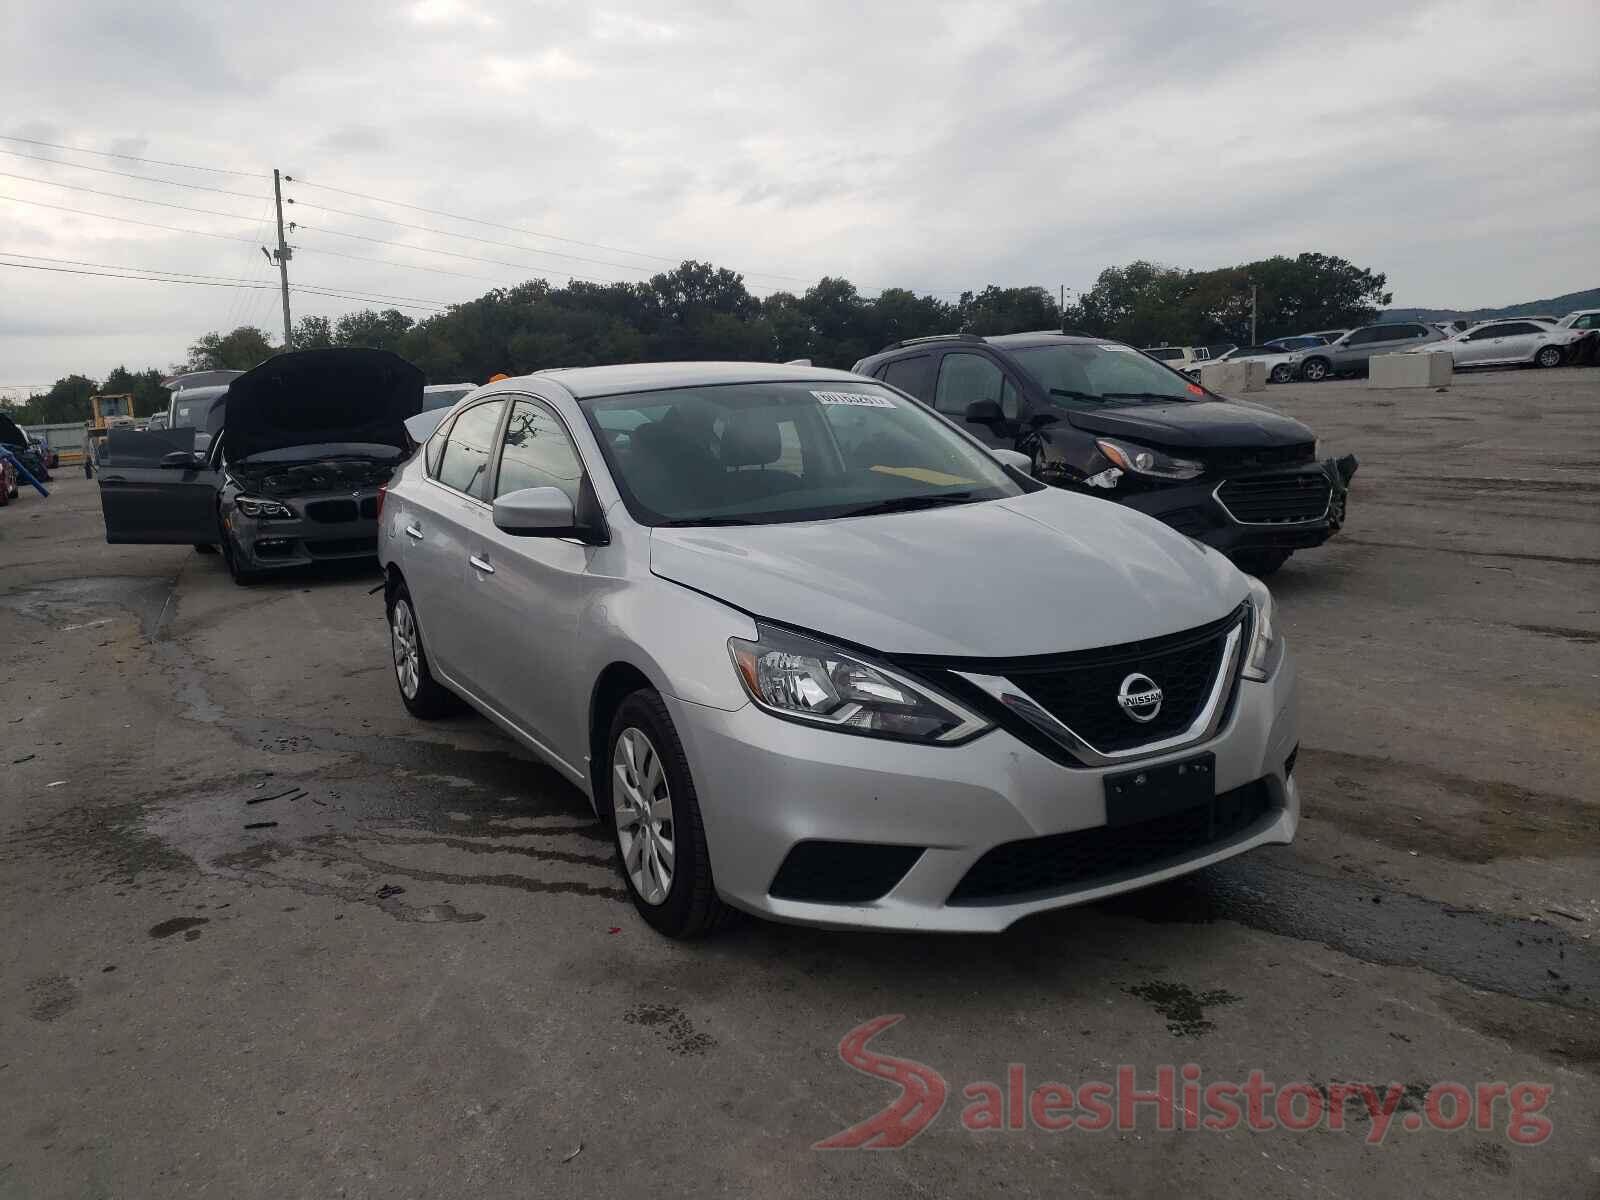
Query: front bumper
[[1200, 509], [267, 545], [766, 785]]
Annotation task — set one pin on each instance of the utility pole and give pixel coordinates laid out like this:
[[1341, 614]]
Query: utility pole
[[282, 257], [1253, 341]]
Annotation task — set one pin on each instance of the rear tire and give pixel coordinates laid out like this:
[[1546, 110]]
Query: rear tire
[[1282, 373], [424, 696], [1261, 563], [1315, 370], [648, 794], [1548, 356]]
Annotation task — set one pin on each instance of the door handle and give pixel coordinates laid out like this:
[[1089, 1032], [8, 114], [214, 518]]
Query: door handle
[[413, 532], [481, 564]]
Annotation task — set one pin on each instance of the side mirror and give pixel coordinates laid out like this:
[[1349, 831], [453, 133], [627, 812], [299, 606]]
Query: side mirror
[[536, 512], [180, 460], [1014, 459], [984, 412]]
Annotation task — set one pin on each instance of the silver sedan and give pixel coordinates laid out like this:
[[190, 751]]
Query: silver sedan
[[1508, 342], [813, 652]]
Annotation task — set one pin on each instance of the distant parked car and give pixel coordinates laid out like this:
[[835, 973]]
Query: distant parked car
[[1280, 364], [1179, 358], [1301, 341], [26, 450], [1500, 343], [1349, 354]]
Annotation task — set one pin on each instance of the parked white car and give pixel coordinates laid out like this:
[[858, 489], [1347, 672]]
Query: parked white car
[[1498, 343], [1179, 358], [1280, 363], [1584, 318]]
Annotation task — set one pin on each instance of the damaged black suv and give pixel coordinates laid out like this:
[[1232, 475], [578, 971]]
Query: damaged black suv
[[1099, 417], [299, 449]]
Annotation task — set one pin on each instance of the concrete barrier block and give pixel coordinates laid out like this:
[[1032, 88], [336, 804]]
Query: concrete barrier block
[[1255, 376], [1224, 377], [1429, 369]]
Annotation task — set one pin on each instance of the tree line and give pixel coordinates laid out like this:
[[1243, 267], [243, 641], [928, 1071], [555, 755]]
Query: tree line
[[700, 311]]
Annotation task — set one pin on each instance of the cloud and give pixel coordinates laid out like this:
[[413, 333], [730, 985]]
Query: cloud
[[934, 145]]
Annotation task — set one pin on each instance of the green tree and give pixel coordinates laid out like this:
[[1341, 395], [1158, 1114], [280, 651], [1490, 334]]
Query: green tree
[[236, 351], [313, 333], [998, 310], [145, 387], [67, 400], [370, 328]]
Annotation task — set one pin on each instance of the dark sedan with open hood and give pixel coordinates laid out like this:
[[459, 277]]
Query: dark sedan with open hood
[[1102, 418], [301, 446]]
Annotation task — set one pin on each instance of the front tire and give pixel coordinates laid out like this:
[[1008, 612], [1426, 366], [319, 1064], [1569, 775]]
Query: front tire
[[1315, 370], [242, 575], [424, 696], [649, 796], [1548, 356], [1282, 373]]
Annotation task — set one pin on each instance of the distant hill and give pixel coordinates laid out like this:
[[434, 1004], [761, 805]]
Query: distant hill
[[1556, 306]]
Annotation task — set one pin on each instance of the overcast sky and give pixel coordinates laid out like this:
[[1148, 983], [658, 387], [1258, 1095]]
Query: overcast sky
[[934, 146]]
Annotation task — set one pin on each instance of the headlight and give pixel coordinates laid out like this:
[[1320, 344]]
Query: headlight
[[1266, 645], [1142, 460], [271, 510], [809, 681]]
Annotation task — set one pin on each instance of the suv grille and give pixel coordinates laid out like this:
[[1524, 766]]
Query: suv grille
[[1086, 857], [1277, 499], [1256, 458]]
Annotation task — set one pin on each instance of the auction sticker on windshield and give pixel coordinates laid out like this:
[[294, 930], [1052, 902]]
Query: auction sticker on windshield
[[854, 399]]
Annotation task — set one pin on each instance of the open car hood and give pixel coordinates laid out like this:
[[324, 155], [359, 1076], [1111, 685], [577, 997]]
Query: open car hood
[[11, 433], [309, 396], [1195, 424]]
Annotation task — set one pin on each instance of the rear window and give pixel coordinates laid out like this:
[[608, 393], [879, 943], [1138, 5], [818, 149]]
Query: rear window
[[469, 449]]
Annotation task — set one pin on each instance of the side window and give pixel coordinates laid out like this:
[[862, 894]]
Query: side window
[[1411, 331], [537, 453], [469, 449], [965, 379], [1487, 332], [435, 448], [1520, 327], [1362, 337], [909, 375], [1591, 321]]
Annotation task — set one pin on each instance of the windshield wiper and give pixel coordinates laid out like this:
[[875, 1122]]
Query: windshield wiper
[[908, 504], [1072, 395], [1143, 396], [695, 522]]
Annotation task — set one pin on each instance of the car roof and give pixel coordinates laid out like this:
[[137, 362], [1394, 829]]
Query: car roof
[[586, 382]]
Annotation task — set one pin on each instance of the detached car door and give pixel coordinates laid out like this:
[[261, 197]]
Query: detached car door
[[154, 490]]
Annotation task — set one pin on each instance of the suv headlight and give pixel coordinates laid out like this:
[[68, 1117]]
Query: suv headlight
[[1266, 643], [270, 510], [809, 681], [1142, 460]]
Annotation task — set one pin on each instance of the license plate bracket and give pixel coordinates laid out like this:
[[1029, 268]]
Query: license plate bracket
[[1150, 792]]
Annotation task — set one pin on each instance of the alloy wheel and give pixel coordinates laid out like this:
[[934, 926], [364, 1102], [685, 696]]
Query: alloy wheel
[[403, 636], [642, 807], [1549, 356]]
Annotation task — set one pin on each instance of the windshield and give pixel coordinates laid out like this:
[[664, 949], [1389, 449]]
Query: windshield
[[763, 453], [1089, 375]]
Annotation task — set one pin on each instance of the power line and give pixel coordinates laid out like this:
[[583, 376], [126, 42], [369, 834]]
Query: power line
[[467, 237], [499, 262], [387, 262], [229, 237], [78, 187], [198, 187], [157, 162]]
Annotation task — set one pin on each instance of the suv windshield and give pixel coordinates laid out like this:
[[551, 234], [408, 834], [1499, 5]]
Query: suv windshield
[[763, 453], [1099, 375]]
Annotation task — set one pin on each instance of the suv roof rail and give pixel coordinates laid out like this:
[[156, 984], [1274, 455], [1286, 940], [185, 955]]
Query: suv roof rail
[[934, 337]]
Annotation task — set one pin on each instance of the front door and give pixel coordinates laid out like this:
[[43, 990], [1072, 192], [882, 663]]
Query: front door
[[965, 378], [145, 500], [528, 592]]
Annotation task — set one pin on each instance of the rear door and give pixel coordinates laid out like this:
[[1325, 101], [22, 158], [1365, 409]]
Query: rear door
[[1518, 341], [146, 502]]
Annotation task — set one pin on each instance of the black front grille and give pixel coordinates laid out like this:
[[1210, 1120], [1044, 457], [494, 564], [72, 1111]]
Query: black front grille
[[1191, 521], [1065, 861], [341, 547], [331, 511], [1277, 499], [842, 872], [369, 507], [1080, 690], [1228, 461]]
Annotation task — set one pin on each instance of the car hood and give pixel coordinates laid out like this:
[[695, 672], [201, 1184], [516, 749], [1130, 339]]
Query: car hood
[[11, 433], [309, 396], [1197, 424], [1040, 573]]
